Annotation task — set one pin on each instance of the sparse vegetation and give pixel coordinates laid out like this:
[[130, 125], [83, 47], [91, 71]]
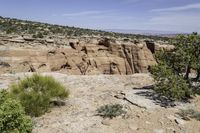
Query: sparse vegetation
[[189, 113], [38, 35], [174, 66], [36, 92], [9, 25], [110, 111], [12, 116], [169, 84]]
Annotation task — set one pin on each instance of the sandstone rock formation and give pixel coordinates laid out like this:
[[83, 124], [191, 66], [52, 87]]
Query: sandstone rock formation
[[75, 55]]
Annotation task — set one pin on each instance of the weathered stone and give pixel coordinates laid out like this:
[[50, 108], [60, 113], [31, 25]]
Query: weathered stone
[[84, 56], [177, 120], [49, 40], [119, 96], [26, 38], [17, 40], [158, 131], [106, 122], [134, 97]]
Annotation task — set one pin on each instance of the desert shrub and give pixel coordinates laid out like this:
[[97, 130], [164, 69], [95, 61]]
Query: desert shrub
[[169, 84], [110, 111], [38, 35], [12, 116], [34, 36], [36, 92], [189, 113], [175, 65]]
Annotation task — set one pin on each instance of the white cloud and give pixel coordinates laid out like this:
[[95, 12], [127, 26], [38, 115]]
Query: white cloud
[[178, 8], [98, 15], [166, 20], [105, 19], [83, 13], [176, 21]]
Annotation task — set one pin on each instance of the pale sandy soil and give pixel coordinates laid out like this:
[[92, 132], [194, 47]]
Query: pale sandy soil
[[87, 93]]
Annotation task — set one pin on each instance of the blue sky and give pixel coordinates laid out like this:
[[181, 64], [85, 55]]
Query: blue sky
[[161, 15]]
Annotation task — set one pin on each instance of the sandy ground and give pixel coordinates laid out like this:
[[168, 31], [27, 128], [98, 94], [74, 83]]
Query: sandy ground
[[87, 93]]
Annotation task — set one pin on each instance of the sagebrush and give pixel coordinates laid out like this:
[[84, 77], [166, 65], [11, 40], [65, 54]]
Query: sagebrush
[[36, 92], [12, 116], [110, 111]]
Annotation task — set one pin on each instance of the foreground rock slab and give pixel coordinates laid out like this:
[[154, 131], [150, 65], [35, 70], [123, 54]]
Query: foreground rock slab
[[134, 98]]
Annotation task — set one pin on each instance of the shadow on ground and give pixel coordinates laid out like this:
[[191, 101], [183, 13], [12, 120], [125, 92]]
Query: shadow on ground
[[157, 98]]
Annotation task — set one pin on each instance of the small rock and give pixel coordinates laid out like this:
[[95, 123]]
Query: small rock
[[56, 102], [119, 96], [158, 131], [26, 38], [138, 116], [49, 40], [147, 122], [105, 122], [171, 129], [132, 127], [161, 122], [179, 121]]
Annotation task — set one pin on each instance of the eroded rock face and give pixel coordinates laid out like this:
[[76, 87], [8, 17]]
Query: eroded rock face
[[86, 56]]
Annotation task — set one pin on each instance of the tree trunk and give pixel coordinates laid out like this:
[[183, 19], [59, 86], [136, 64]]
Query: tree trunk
[[187, 71], [198, 74]]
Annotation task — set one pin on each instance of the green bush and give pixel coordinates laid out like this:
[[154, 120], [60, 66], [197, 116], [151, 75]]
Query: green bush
[[34, 36], [172, 74], [36, 92], [169, 84], [12, 116], [110, 111], [38, 35]]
